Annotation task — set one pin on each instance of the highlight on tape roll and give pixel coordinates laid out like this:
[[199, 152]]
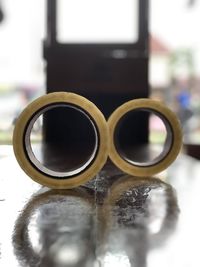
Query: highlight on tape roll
[[72, 174], [126, 157]]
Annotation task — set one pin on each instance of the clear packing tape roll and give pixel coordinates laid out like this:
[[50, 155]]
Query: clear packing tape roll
[[172, 143], [105, 140], [31, 165]]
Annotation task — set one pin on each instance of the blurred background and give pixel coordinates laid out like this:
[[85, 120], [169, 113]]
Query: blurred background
[[174, 59]]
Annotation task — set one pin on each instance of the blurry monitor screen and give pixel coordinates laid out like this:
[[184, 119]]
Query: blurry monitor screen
[[97, 21]]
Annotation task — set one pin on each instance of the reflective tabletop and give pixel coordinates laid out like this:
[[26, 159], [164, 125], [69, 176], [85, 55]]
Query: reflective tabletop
[[113, 220]]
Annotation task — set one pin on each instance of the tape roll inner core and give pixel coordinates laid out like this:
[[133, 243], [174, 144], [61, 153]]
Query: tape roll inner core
[[131, 151], [71, 170]]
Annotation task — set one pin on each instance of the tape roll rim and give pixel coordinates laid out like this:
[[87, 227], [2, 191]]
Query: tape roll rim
[[158, 107], [68, 98]]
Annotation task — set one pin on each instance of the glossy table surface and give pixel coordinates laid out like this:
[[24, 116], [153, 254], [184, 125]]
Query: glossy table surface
[[114, 220]]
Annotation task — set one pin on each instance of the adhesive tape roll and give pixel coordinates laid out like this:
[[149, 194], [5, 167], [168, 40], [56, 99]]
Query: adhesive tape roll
[[172, 143], [33, 167]]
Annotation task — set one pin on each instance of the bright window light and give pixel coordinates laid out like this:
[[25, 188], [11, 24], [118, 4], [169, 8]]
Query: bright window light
[[97, 21]]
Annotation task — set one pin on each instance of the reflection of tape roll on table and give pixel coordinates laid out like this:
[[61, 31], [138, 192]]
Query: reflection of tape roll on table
[[172, 143], [33, 167]]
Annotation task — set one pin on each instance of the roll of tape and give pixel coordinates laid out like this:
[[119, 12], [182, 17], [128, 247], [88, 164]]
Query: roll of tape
[[172, 144], [28, 161]]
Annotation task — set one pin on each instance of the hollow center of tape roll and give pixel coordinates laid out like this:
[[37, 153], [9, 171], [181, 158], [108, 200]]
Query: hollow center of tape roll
[[61, 140], [143, 137]]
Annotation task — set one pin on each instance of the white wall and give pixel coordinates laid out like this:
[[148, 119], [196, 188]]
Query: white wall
[[21, 34]]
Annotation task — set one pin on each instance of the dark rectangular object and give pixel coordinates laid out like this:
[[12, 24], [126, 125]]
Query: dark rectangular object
[[107, 74]]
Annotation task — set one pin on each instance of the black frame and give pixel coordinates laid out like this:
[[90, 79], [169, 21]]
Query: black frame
[[90, 70]]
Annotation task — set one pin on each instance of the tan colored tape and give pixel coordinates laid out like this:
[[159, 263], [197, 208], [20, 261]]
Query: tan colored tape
[[174, 136], [52, 99]]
